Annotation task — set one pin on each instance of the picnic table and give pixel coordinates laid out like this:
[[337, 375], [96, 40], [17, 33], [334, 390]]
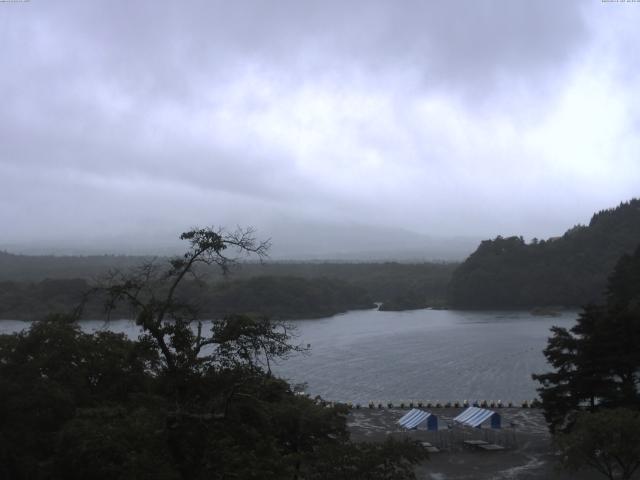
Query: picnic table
[[475, 443], [482, 445]]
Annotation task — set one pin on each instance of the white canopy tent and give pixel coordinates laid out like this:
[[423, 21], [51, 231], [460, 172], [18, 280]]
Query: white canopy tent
[[475, 416], [417, 417]]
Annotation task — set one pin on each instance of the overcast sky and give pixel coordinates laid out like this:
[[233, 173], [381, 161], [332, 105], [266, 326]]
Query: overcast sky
[[138, 119]]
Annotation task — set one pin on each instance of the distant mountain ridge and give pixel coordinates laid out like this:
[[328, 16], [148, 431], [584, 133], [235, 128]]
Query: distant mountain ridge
[[563, 271], [292, 239]]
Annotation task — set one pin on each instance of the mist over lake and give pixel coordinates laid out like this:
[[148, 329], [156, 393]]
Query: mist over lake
[[429, 355]]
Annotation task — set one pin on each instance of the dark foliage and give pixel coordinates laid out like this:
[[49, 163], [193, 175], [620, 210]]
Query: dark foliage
[[567, 271], [597, 362], [608, 441], [30, 301], [284, 297], [286, 291], [49, 376], [277, 297], [180, 402]]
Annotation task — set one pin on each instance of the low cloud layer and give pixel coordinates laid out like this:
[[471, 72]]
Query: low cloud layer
[[138, 119]]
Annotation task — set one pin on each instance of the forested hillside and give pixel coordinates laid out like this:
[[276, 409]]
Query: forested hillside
[[277, 297], [571, 270], [31, 286]]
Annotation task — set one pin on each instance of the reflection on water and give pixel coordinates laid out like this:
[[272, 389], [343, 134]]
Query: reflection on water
[[435, 355]]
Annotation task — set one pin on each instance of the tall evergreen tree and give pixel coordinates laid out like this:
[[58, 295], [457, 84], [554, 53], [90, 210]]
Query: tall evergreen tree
[[597, 362]]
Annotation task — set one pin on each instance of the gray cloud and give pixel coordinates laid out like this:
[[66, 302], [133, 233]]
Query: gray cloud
[[166, 48], [474, 118]]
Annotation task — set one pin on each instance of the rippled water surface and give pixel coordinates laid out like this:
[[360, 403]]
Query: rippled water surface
[[425, 355]]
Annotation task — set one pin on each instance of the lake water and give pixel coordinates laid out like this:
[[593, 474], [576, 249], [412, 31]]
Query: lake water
[[425, 355], [420, 355]]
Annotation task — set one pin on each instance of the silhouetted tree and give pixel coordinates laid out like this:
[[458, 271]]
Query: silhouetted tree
[[597, 362], [177, 403]]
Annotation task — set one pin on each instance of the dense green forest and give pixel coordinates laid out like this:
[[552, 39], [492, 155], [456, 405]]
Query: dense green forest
[[277, 297], [567, 271], [30, 287], [405, 285]]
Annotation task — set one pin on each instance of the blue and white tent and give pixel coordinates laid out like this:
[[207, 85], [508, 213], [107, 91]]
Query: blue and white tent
[[474, 417], [417, 417]]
